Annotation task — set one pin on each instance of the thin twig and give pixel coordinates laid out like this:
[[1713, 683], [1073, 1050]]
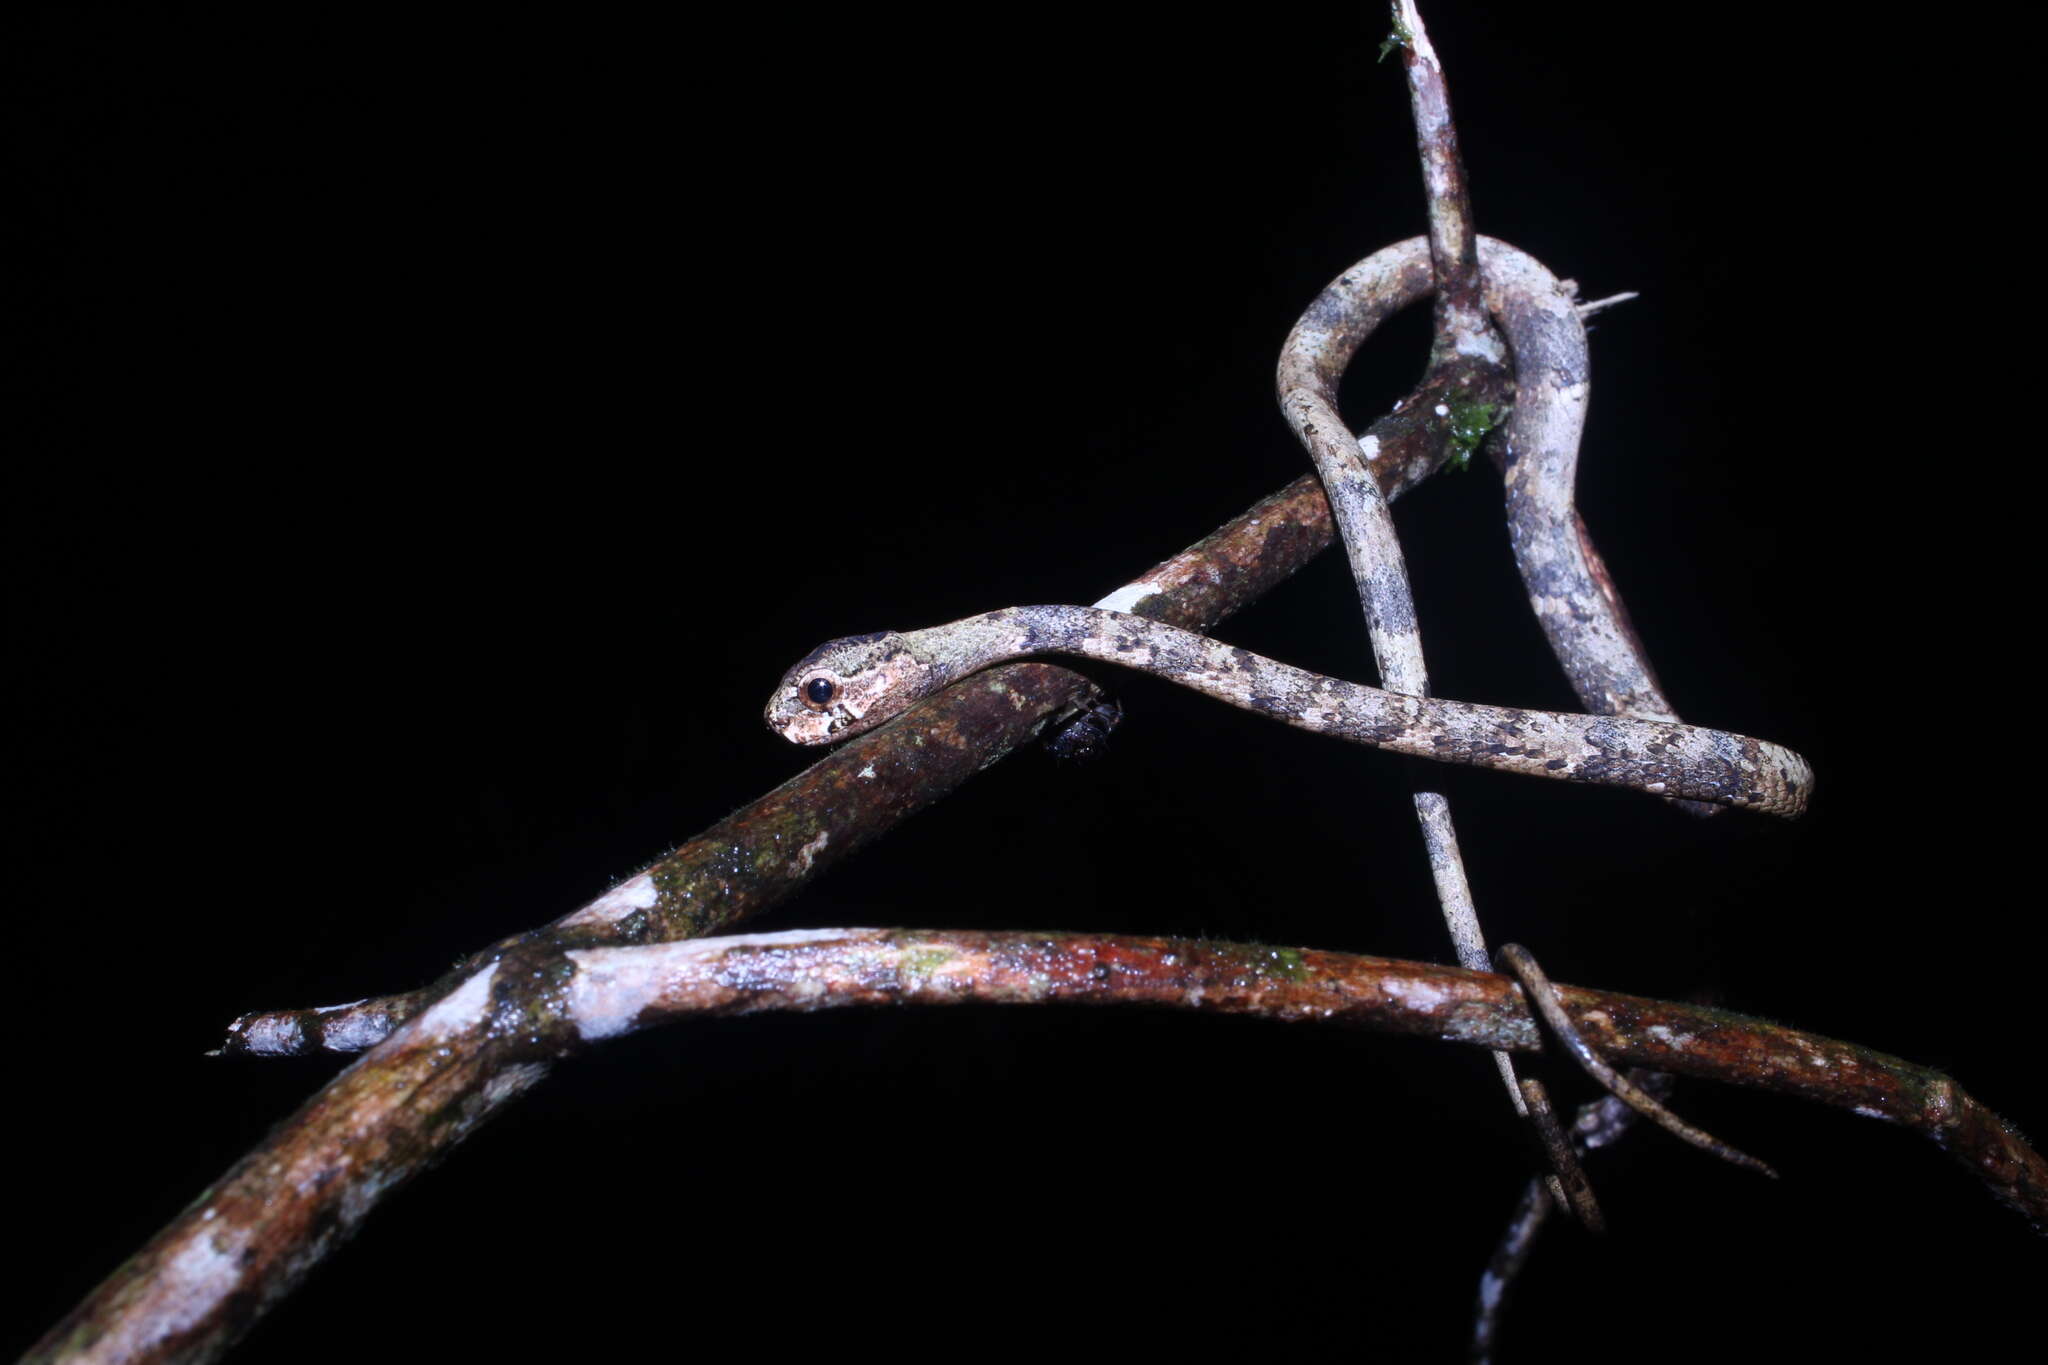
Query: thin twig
[[1599, 1123], [1586, 310], [1543, 998], [1468, 346], [1462, 326]]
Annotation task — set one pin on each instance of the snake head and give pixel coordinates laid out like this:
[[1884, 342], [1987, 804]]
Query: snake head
[[846, 687]]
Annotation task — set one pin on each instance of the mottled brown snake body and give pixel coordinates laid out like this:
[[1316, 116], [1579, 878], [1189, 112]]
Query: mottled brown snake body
[[853, 685]]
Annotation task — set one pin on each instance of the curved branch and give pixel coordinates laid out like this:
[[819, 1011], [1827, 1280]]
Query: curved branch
[[619, 990], [207, 1277]]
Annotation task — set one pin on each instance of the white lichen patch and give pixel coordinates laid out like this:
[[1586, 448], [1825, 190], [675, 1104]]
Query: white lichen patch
[[1128, 596], [780, 938], [809, 852], [356, 1032], [188, 1286], [614, 987], [269, 1036], [1677, 1042], [636, 893], [1419, 995], [867, 773], [461, 1010], [1369, 446]]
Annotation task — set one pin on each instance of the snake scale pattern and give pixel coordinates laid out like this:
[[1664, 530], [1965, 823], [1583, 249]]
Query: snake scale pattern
[[849, 686]]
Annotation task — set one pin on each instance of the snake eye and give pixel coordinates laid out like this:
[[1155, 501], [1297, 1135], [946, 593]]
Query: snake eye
[[819, 692]]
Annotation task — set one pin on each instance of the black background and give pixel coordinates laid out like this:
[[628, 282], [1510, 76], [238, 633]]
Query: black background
[[437, 431]]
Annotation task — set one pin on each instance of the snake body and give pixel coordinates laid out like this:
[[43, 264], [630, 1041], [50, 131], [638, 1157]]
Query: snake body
[[1568, 586], [849, 686], [1568, 589], [852, 685]]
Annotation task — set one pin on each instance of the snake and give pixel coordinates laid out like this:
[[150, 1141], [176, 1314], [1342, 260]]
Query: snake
[[1630, 739], [849, 686], [1569, 590]]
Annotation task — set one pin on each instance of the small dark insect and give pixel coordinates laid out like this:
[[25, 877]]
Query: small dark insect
[[1084, 736]]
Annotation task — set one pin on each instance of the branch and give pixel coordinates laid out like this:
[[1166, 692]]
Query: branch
[[205, 1279], [620, 990], [1462, 327], [202, 1281], [767, 850]]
